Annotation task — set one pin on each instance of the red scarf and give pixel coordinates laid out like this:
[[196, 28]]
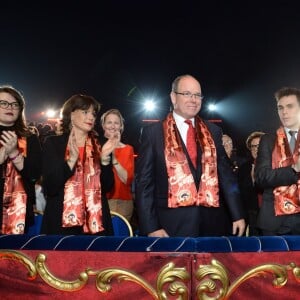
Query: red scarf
[[14, 197], [286, 198], [182, 188], [82, 194]]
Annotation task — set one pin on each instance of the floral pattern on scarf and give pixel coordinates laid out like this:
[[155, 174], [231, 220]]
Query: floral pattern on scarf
[[82, 193], [286, 198], [182, 188], [14, 197]]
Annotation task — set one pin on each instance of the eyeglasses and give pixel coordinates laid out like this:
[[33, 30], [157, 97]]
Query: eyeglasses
[[5, 104], [254, 146], [197, 96]]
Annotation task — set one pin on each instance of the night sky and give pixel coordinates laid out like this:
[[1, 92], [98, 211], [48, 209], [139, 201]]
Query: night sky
[[125, 51]]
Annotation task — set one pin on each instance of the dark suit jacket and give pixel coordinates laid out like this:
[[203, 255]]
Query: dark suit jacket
[[55, 173], [152, 191], [268, 178], [249, 195]]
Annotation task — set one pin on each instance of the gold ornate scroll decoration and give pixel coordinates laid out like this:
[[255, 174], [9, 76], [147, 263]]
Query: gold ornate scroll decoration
[[59, 284], [21, 258], [209, 274], [169, 274], [214, 283]]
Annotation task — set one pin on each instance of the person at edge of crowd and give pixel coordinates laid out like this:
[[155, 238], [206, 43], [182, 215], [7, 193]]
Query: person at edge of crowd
[[77, 173], [228, 144], [251, 195], [235, 160], [120, 198], [58, 127], [277, 169], [45, 131], [20, 164], [181, 194]]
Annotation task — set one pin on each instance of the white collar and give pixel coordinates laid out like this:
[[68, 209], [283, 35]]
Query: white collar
[[180, 120]]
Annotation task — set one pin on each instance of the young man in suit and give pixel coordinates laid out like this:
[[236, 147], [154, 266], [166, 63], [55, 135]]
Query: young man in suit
[[184, 183], [277, 169]]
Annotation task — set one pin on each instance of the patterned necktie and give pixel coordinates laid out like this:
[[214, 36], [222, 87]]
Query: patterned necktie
[[191, 145], [292, 140]]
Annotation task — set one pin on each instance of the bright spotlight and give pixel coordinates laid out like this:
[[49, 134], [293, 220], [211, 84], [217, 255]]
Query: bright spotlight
[[212, 107], [50, 113], [149, 105]]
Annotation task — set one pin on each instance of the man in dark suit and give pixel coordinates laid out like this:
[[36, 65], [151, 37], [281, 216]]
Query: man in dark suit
[[181, 194], [277, 169]]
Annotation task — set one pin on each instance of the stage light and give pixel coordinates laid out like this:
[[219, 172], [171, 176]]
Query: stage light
[[212, 107], [149, 105], [50, 113]]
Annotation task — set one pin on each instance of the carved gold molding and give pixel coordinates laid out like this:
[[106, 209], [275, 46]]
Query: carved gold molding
[[168, 275], [214, 283], [216, 271], [23, 259]]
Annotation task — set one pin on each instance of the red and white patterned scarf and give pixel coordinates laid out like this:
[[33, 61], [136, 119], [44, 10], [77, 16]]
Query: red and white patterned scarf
[[182, 188], [286, 198], [14, 197], [82, 193]]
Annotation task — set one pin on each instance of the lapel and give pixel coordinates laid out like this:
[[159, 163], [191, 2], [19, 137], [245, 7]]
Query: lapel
[[195, 172], [199, 166]]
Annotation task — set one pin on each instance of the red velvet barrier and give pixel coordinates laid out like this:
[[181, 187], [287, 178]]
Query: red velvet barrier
[[147, 275]]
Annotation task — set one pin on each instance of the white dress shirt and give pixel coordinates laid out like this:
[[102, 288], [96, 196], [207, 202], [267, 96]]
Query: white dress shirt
[[182, 126]]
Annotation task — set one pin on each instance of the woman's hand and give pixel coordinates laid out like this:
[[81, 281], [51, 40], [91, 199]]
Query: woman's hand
[[73, 149], [111, 144], [9, 141]]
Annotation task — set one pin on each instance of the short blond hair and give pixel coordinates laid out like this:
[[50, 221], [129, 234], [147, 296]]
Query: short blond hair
[[116, 112]]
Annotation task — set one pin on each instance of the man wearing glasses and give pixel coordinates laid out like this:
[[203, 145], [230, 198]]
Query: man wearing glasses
[[184, 182]]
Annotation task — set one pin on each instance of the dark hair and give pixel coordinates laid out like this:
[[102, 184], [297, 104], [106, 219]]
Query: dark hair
[[20, 124], [75, 102], [252, 136], [287, 91]]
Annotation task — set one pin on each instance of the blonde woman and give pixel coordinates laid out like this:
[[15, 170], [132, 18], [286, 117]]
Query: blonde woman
[[120, 197]]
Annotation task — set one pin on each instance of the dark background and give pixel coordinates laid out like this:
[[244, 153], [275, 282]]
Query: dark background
[[122, 52]]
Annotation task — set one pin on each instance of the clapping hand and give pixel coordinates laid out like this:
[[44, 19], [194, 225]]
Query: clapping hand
[[9, 141], [73, 148], [111, 144]]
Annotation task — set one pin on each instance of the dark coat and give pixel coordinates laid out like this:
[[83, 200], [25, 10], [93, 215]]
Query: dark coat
[[152, 191], [55, 174], [249, 195], [268, 178]]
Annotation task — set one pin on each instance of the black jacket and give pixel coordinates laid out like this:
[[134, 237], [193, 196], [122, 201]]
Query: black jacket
[[152, 190], [55, 173]]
